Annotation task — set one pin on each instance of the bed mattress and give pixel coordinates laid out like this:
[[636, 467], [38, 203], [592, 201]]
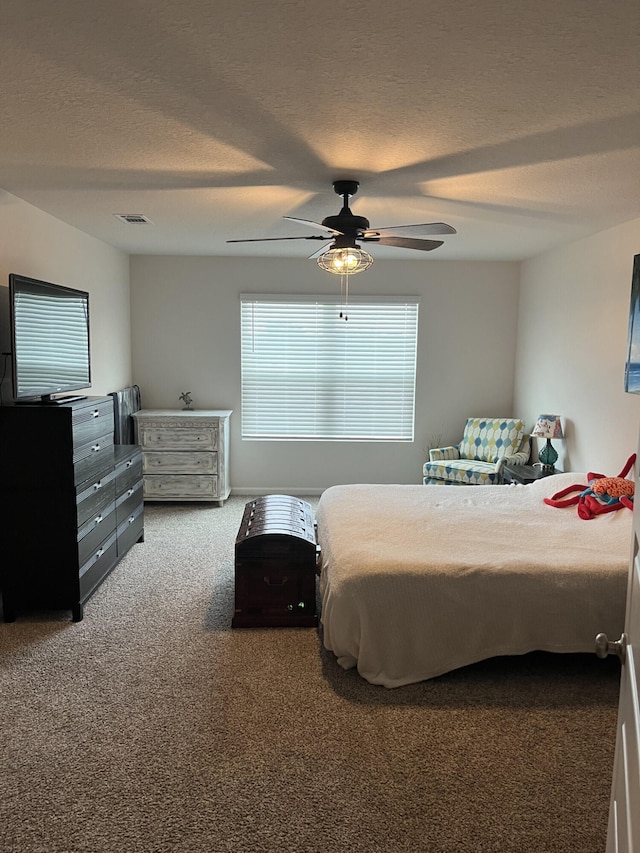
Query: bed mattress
[[420, 580]]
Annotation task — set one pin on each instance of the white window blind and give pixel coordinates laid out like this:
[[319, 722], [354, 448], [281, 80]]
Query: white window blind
[[307, 374]]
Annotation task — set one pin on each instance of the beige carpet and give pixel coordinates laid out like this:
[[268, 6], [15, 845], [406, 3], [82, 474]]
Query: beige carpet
[[151, 726]]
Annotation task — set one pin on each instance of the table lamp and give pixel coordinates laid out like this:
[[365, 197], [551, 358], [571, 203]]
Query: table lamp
[[548, 426]]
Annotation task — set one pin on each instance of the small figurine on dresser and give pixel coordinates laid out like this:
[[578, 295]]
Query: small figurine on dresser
[[186, 399]]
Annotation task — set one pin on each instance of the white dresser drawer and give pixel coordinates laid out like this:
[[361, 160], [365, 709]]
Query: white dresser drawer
[[175, 438], [178, 487], [168, 462]]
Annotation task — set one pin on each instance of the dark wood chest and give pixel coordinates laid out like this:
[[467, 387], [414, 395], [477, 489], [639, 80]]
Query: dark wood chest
[[72, 503], [275, 564]]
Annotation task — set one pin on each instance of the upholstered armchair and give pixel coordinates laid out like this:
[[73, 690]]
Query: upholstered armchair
[[487, 443]]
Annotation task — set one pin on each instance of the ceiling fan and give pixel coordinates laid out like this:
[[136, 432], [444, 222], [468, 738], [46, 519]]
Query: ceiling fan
[[344, 256]]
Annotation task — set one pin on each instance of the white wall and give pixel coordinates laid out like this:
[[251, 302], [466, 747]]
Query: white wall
[[186, 337], [36, 244], [572, 340]]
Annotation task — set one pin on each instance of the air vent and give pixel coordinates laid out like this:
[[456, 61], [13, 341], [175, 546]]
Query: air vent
[[133, 218]]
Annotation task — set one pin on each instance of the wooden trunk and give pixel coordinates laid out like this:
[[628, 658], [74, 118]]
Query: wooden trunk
[[275, 564]]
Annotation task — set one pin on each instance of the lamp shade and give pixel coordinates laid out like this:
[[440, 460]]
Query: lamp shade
[[548, 426]]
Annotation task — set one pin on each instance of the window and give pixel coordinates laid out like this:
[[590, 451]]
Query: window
[[308, 374]]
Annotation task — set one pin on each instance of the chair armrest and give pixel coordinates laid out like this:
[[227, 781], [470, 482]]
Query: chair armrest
[[441, 454], [520, 458]]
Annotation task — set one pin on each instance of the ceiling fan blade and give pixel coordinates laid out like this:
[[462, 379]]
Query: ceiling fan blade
[[409, 243], [426, 229], [312, 224], [318, 252], [271, 239]]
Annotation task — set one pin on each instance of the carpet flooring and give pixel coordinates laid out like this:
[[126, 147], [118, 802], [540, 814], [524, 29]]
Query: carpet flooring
[[153, 727]]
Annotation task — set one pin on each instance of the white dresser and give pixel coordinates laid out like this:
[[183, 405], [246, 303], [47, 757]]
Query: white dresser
[[185, 454]]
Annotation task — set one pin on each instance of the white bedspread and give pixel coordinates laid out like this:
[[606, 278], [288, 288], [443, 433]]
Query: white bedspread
[[419, 580]]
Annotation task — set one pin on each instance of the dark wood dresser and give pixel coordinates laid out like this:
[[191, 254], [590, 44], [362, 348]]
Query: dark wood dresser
[[275, 564], [72, 503]]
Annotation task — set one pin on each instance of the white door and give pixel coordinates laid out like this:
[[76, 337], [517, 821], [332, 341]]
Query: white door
[[623, 835]]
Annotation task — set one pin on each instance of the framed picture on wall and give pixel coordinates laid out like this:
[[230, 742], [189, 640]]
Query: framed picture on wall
[[632, 367]]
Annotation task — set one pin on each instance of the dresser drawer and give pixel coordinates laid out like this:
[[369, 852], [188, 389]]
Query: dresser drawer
[[93, 459], [95, 531], [128, 471], [131, 530], [177, 487], [94, 498], [89, 422], [98, 565], [128, 502], [157, 462], [175, 438]]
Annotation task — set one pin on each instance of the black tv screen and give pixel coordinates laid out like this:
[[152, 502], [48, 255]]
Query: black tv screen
[[632, 366], [49, 338]]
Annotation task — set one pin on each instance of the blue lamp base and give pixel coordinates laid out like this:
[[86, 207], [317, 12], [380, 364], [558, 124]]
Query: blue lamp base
[[548, 456]]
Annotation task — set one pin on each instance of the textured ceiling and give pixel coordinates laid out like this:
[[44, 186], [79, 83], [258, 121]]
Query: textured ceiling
[[517, 123]]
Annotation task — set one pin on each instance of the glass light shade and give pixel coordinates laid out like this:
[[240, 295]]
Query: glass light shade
[[348, 261], [548, 426]]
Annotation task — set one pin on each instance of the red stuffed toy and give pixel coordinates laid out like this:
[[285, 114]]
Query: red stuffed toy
[[603, 494]]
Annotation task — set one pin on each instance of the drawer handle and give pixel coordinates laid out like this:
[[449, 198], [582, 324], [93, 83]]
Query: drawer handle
[[99, 553], [97, 519], [269, 582], [97, 486], [130, 492], [131, 519], [95, 413], [95, 448], [129, 463]]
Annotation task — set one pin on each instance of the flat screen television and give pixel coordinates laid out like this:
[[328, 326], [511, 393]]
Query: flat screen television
[[50, 344], [632, 366]]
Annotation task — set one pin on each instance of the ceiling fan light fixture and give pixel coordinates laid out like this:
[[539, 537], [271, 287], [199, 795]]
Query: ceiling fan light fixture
[[345, 261]]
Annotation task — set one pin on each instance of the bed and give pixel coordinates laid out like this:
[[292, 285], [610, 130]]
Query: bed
[[416, 581]]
